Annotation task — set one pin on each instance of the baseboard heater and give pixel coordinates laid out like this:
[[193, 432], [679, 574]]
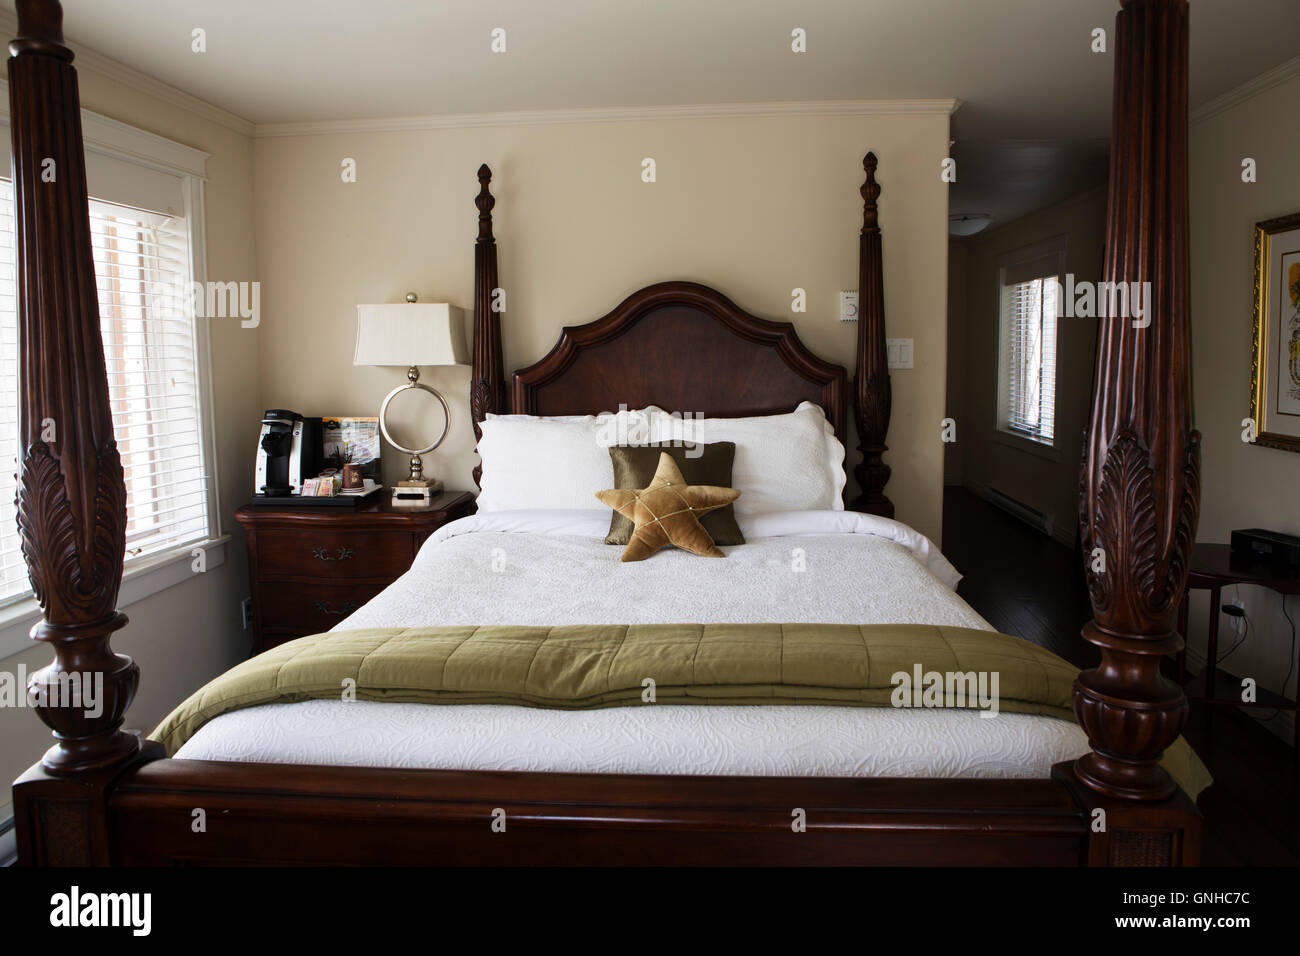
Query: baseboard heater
[[8, 842], [1030, 516]]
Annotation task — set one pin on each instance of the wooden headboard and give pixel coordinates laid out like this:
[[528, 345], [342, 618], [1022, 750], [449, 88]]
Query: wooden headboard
[[686, 347]]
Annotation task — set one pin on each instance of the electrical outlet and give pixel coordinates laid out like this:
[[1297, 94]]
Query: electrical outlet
[[246, 611], [1237, 616]]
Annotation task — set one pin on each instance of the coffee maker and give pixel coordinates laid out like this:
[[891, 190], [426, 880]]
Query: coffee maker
[[288, 451]]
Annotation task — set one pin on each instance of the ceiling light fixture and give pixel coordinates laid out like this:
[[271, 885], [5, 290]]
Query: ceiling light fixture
[[968, 223]]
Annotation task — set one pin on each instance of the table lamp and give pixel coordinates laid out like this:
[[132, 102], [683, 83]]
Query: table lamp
[[411, 335]]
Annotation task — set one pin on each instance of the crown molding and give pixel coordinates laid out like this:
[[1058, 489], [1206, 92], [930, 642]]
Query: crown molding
[[1251, 88], [103, 134], [396, 124], [90, 61]]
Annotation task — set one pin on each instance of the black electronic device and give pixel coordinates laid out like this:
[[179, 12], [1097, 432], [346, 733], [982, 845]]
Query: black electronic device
[[1270, 547]]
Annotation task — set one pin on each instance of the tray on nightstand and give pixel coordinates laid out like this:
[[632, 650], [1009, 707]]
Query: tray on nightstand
[[317, 501]]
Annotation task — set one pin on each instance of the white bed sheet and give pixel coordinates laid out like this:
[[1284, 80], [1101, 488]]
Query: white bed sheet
[[538, 568]]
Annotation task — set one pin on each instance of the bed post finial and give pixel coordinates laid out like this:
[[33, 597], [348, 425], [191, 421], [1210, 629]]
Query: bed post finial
[[1139, 487], [871, 392], [484, 201], [870, 193], [40, 29], [487, 376], [71, 494]]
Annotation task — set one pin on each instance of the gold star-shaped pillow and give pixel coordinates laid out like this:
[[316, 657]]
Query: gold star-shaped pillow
[[667, 511]]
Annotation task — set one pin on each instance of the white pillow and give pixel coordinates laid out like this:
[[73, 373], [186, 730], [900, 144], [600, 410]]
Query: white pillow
[[549, 463], [789, 462]]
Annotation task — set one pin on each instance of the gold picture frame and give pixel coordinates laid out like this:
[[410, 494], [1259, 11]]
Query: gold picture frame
[[1275, 350]]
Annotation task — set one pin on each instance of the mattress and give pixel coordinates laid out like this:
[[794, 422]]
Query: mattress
[[549, 567]]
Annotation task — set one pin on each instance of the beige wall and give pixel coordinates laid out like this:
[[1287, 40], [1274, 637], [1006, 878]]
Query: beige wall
[[1050, 484], [958, 354], [754, 206], [187, 634], [1242, 486]]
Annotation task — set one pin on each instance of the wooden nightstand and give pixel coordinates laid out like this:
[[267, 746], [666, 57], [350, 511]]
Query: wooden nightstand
[[310, 568]]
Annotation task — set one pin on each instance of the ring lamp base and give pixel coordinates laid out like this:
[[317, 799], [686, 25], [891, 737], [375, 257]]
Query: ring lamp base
[[415, 488]]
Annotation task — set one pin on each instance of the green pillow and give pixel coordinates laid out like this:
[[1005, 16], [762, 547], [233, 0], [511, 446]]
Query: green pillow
[[634, 467]]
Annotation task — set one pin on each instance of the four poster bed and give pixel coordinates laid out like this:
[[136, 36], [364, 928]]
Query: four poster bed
[[102, 796]]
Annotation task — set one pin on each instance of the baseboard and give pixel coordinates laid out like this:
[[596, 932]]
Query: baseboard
[[8, 843], [1063, 533]]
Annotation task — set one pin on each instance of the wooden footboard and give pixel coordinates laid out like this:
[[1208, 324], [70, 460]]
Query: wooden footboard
[[194, 812]]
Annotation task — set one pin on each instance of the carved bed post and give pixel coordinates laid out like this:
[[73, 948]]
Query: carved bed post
[[71, 495], [1140, 478], [871, 392], [487, 392]]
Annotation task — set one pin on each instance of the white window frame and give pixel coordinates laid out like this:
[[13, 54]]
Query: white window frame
[[1054, 248], [147, 575]]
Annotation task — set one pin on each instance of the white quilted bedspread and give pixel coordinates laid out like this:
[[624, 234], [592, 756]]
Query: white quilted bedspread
[[556, 569]]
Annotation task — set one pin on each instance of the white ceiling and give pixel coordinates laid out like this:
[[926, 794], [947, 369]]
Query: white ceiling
[[1007, 179], [1022, 68]]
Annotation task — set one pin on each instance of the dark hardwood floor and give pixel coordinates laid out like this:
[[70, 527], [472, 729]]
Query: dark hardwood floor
[[1025, 583], [1021, 581]]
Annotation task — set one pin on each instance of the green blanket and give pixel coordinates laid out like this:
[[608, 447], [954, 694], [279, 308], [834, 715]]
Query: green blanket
[[589, 666]]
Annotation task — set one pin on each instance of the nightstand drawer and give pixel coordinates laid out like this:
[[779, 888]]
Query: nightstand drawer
[[311, 609], [335, 554]]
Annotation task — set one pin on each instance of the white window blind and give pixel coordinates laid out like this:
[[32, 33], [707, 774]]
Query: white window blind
[[1028, 361], [142, 271]]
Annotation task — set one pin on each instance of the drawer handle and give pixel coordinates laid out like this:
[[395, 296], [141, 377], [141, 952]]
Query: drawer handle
[[320, 554], [344, 611]]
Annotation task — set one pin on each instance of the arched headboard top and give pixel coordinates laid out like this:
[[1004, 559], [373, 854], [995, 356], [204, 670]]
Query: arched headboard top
[[684, 347]]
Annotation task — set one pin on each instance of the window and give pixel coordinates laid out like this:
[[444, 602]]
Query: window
[[142, 254], [1030, 305]]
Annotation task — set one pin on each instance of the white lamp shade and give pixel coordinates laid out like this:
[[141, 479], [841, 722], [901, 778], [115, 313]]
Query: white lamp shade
[[410, 333]]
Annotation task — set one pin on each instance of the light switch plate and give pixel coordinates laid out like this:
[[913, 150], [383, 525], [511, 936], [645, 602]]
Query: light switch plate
[[899, 352], [849, 306]]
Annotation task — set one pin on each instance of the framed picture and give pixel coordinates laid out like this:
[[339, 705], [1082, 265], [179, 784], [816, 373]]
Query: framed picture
[[1275, 355]]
